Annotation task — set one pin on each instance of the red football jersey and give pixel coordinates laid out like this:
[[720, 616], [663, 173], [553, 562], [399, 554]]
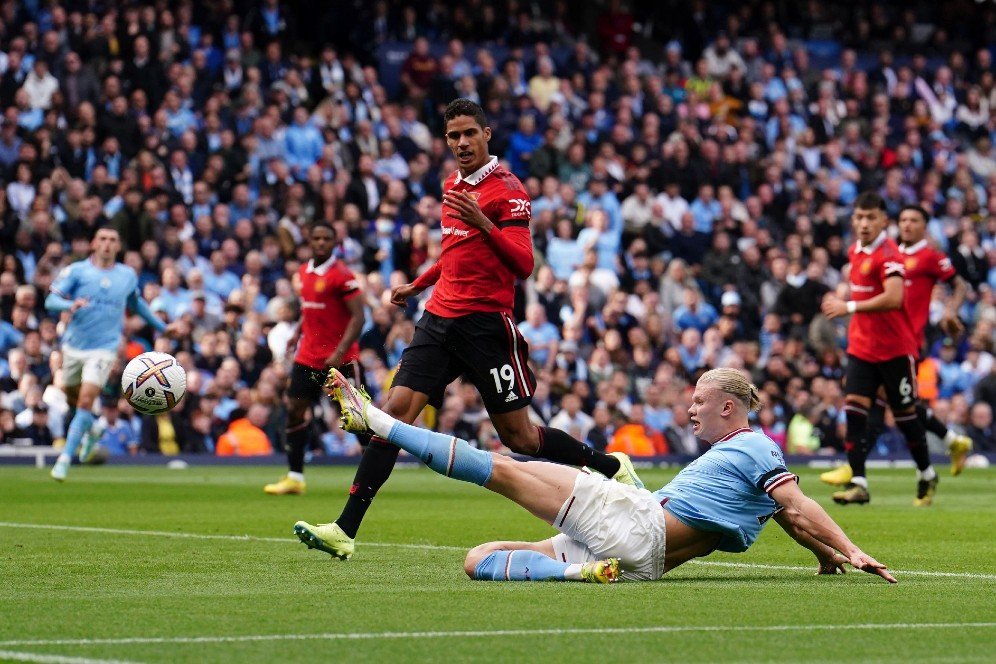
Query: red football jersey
[[324, 315], [925, 266], [877, 336], [474, 277]]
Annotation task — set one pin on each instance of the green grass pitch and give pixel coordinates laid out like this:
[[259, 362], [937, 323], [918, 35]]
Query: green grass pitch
[[147, 564]]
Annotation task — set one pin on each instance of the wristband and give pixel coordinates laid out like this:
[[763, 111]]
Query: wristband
[[852, 306]]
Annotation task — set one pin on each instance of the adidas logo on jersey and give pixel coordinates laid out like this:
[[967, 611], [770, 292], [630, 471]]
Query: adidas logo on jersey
[[512, 396]]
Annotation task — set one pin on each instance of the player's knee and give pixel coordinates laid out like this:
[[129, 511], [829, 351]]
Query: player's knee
[[399, 406], [520, 438], [476, 555]]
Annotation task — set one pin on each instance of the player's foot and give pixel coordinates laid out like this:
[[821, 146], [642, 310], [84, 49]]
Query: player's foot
[[601, 571], [89, 443], [60, 469], [327, 537], [839, 476], [353, 401], [852, 493], [284, 486], [959, 449], [925, 490], [626, 473]]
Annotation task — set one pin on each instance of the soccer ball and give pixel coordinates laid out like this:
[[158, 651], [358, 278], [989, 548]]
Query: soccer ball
[[153, 383]]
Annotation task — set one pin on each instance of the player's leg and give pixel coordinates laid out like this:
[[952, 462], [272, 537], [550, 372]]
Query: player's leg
[[958, 445], [537, 561], [378, 459], [899, 377], [89, 371], [422, 377], [860, 385], [495, 354], [304, 390]]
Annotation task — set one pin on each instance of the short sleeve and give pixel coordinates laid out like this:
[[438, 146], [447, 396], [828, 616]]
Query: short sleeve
[[893, 266], [349, 286], [766, 466], [65, 283], [944, 269], [510, 207]]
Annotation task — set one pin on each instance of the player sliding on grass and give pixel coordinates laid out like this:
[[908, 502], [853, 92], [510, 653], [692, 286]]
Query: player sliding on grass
[[467, 328], [610, 530]]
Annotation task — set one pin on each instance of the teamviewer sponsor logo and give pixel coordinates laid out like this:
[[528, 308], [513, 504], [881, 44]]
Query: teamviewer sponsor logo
[[458, 232]]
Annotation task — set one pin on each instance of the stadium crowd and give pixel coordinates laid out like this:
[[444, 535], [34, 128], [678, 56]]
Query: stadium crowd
[[690, 173]]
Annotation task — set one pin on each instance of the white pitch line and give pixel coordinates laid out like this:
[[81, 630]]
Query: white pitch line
[[357, 636], [440, 547], [53, 659]]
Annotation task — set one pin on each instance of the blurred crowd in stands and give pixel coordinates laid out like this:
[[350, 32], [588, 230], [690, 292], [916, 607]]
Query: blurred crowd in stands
[[691, 167]]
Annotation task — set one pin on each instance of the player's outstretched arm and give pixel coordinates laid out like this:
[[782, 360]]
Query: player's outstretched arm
[[805, 514], [830, 562], [138, 304]]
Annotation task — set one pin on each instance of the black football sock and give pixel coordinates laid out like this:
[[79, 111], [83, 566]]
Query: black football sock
[[875, 425], [931, 423], [856, 442], [375, 467], [916, 438], [561, 447], [297, 442]]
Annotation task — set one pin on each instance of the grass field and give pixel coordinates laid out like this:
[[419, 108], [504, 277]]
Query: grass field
[[154, 565]]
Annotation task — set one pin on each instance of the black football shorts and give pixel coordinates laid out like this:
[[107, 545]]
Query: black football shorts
[[485, 348]]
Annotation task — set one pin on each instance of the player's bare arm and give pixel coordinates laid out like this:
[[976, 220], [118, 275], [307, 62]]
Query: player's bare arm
[[890, 298], [950, 323], [805, 514], [357, 317], [830, 562]]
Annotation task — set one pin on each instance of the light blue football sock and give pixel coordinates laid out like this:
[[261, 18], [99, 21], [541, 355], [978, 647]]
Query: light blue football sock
[[447, 455], [520, 566], [82, 421]]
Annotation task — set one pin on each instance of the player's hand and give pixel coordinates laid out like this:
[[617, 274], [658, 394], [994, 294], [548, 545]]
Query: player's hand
[[833, 564], [951, 325], [467, 210], [175, 330], [400, 295], [335, 359], [833, 307], [78, 304], [862, 561]]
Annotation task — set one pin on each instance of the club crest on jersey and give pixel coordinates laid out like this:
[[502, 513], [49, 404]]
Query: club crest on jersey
[[319, 285], [474, 195], [910, 263], [866, 267], [105, 283]]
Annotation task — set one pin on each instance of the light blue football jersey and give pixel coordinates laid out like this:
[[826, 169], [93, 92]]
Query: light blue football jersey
[[725, 489], [98, 325]]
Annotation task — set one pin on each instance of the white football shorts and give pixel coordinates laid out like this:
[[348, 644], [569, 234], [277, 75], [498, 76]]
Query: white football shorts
[[86, 366], [606, 519]]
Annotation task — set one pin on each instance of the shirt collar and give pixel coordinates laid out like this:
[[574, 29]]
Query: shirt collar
[[320, 270], [913, 248], [871, 247], [475, 178]]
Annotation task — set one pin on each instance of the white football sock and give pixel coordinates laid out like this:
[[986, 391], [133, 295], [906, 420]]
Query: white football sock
[[297, 477], [379, 421], [926, 474]]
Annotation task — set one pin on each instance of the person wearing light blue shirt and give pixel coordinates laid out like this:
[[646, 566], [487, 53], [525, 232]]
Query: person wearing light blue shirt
[[96, 292], [304, 144], [542, 335], [611, 530]]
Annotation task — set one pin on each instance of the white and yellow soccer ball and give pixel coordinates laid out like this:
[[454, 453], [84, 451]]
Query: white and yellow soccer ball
[[153, 383]]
